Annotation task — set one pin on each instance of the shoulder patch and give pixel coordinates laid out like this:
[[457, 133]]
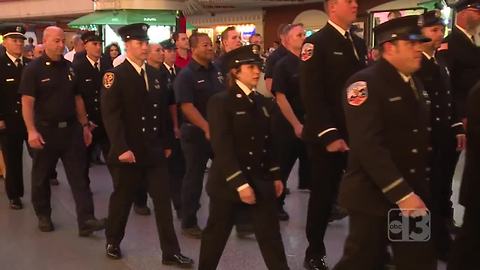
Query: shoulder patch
[[357, 93], [108, 79], [307, 51]]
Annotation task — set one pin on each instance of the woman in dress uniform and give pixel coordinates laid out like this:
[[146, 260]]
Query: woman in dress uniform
[[243, 172]]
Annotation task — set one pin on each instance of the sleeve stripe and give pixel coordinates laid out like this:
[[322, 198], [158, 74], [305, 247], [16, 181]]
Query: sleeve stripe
[[274, 169], [326, 131], [457, 124], [392, 185], [233, 175]]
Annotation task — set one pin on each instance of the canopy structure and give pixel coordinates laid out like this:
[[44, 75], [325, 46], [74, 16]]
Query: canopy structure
[[123, 17]]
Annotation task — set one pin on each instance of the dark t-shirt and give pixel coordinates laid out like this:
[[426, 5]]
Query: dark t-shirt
[[52, 84], [273, 59], [196, 84], [286, 80]]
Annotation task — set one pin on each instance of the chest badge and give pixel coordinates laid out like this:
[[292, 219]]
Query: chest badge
[[307, 51], [357, 93], [108, 80], [220, 77]]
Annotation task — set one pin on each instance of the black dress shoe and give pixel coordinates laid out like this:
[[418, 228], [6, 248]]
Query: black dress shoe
[[16, 204], [338, 213], [45, 224], [54, 182], [315, 264], [244, 230], [91, 226], [178, 260], [282, 214], [192, 232], [142, 210], [113, 252]]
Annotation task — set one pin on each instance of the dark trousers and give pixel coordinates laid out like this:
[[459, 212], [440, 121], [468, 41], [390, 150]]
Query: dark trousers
[[67, 144], [444, 161], [289, 149], [327, 170], [367, 241], [12, 149], [466, 248], [265, 222], [176, 169], [127, 179], [197, 151]]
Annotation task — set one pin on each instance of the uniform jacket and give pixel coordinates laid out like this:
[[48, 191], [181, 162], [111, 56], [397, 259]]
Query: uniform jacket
[[322, 79], [444, 121], [89, 84], [389, 140], [464, 64], [470, 187], [167, 80], [241, 140], [10, 99], [135, 119]]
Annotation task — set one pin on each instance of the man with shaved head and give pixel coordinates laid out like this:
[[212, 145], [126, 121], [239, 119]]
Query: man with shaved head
[[58, 127]]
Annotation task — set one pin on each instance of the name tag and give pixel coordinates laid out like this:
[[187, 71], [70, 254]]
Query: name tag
[[201, 81], [241, 113], [46, 80], [338, 53], [10, 80], [88, 80], [395, 99]]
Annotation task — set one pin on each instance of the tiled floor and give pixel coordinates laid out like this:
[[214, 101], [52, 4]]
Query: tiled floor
[[23, 247]]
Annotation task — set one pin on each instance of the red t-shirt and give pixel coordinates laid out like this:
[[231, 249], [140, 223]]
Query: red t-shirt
[[182, 62]]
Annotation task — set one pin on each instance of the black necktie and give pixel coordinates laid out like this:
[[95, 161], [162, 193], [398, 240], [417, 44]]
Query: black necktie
[[142, 74], [172, 73], [18, 63], [350, 42], [414, 88], [96, 66], [253, 96]]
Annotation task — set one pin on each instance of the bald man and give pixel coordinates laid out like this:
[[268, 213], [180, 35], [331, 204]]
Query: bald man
[[58, 128]]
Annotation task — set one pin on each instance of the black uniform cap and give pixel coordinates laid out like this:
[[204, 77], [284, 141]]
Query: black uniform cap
[[13, 31], [136, 31], [432, 18], [249, 54], [403, 28], [460, 5], [168, 44], [90, 36]]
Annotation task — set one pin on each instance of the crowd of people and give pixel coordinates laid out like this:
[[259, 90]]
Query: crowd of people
[[371, 136]]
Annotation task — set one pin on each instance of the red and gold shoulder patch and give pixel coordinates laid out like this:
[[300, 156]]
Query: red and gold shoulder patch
[[108, 80], [307, 51], [357, 93]]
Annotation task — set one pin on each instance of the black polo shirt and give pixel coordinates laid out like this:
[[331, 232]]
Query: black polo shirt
[[52, 84], [276, 55], [286, 80], [196, 84]]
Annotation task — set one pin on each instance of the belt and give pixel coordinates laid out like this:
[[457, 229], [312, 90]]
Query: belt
[[60, 124]]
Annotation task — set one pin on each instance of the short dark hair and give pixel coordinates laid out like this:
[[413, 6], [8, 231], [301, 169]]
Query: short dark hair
[[254, 35], [280, 29], [176, 35], [287, 28], [224, 34], [193, 40]]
